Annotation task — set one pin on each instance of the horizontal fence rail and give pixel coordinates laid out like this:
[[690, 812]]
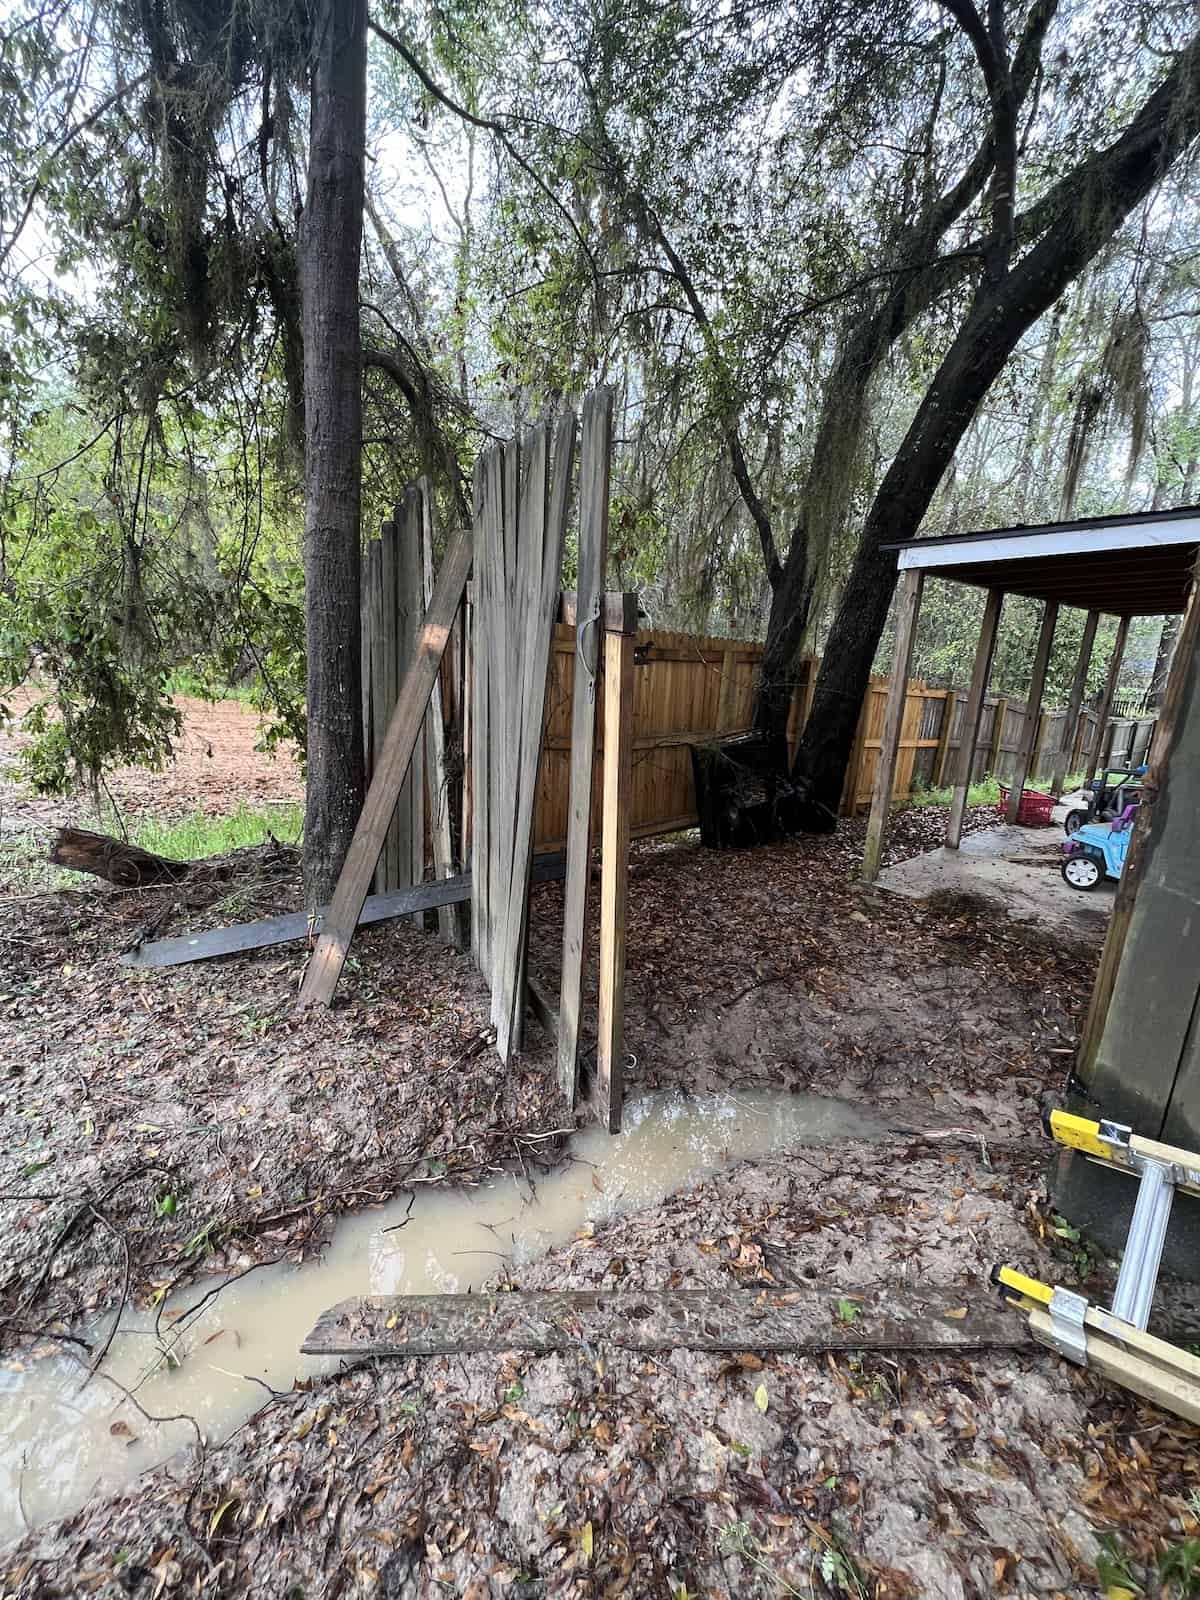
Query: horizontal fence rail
[[690, 690]]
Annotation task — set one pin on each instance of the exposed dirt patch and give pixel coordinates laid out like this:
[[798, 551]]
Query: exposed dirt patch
[[601, 1473], [216, 767]]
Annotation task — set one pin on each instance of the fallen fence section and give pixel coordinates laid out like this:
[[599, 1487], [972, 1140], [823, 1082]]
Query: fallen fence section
[[691, 1319], [295, 925]]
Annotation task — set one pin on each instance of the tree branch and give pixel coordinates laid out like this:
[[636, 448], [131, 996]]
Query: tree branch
[[489, 124]]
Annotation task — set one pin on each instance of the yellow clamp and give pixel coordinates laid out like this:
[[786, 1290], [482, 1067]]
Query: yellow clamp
[[1079, 1133], [1027, 1291]]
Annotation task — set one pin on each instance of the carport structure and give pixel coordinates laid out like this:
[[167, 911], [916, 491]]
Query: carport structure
[[1130, 566]]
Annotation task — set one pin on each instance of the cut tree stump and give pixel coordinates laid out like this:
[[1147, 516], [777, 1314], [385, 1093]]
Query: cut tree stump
[[112, 859], [958, 1318]]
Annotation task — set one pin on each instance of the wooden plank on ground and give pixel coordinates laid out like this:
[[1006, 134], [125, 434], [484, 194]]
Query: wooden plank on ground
[[449, 922], [293, 925], [391, 764], [614, 875], [680, 1319], [595, 459]]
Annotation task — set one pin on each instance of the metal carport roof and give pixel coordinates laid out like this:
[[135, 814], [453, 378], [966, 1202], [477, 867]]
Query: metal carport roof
[[1136, 565]]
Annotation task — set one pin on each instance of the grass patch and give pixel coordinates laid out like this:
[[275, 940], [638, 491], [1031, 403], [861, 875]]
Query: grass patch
[[192, 838], [186, 684], [986, 793]]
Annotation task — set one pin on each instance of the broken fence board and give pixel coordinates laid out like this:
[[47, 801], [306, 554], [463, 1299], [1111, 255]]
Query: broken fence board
[[293, 925], [391, 765], [595, 456], [449, 922], [680, 1319]]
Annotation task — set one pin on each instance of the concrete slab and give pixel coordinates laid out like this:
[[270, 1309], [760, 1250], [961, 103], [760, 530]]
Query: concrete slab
[[1016, 868]]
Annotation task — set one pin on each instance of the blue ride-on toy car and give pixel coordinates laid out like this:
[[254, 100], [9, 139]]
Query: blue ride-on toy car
[[1098, 850]]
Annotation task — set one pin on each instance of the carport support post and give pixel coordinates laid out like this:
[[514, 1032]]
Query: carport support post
[[908, 609], [1033, 710], [968, 735], [1110, 689], [1070, 733]]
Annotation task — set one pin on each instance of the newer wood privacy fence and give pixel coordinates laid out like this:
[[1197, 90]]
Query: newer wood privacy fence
[[689, 689]]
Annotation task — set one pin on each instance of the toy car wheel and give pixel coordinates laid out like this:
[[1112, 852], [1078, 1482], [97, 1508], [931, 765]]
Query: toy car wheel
[[1074, 821], [1081, 872]]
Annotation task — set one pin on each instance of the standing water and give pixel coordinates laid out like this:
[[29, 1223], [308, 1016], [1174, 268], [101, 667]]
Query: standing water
[[62, 1439]]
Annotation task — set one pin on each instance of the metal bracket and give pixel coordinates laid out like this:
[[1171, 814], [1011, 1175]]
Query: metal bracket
[[1067, 1329], [1115, 1132]]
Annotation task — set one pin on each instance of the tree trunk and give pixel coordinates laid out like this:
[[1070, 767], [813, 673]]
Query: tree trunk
[[331, 236], [1096, 200]]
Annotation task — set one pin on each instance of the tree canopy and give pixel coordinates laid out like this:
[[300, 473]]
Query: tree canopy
[[779, 229]]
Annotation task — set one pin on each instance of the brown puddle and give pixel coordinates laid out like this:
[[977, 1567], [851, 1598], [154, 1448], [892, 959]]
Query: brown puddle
[[62, 1439]]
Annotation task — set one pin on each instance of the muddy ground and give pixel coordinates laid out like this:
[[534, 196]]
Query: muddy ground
[[577, 1476]]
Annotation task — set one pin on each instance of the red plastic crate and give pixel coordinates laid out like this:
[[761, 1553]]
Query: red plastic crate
[[1035, 808]]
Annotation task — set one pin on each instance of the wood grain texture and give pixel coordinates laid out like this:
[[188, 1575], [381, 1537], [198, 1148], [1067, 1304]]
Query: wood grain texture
[[614, 876], [968, 736], [688, 1319], [441, 833], [589, 602], [1033, 710], [908, 607], [294, 925], [379, 690], [392, 762], [1110, 690], [410, 588]]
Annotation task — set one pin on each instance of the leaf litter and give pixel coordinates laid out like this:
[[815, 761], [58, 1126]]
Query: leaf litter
[[582, 1474]]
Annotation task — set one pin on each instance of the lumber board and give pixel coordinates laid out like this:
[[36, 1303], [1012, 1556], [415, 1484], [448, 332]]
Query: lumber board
[[535, 600], [908, 607], [614, 876], [392, 762], [589, 602], [1161, 1380], [364, 587], [449, 924], [1031, 721], [293, 925], [1110, 690], [680, 1319], [618, 607], [550, 502], [477, 751], [393, 859], [411, 613], [379, 688]]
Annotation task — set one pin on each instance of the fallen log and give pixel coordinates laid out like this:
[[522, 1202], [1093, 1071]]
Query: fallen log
[[126, 865], [958, 1318]]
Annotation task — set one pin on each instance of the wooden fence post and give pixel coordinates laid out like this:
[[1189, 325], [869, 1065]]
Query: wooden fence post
[[614, 874], [908, 609], [968, 733], [949, 706], [1033, 710], [1110, 689], [1068, 755], [849, 806], [997, 733]]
